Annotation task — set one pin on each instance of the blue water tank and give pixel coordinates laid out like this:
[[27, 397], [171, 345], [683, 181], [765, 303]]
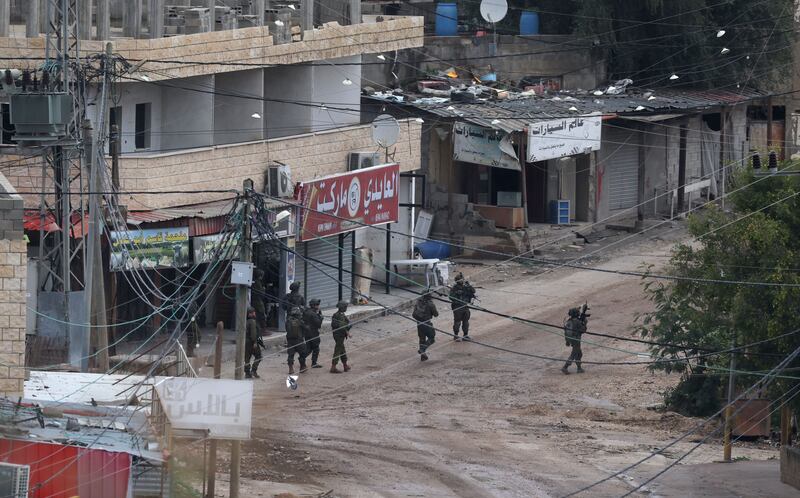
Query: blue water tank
[[446, 19], [432, 249], [529, 23]]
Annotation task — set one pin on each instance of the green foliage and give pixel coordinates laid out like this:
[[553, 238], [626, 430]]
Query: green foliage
[[754, 243]]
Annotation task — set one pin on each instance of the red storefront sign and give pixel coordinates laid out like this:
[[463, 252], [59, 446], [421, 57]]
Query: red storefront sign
[[345, 202]]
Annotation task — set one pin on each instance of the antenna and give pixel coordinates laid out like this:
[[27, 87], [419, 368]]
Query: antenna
[[385, 132], [494, 11]]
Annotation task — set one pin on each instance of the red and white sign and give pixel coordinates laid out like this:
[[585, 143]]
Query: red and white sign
[[345, 202]]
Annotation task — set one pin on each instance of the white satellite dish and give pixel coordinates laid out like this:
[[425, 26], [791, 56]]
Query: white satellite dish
[[385, 131], [494, 10]]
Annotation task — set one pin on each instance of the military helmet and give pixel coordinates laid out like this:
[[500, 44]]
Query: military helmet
[[459, 277], [314, 302], [574, 312], [342, 305], [251, 310], [295, 286], [296, 311]]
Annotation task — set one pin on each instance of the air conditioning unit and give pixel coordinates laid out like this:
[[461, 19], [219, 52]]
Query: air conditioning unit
[[278, 181], [361, 160], [14, 480]]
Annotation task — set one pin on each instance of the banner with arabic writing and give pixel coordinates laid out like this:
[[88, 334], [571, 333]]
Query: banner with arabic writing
[[563, 137], [348, 201], [478, 145]]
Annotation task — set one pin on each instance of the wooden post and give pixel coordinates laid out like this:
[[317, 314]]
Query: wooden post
[[211, 470]]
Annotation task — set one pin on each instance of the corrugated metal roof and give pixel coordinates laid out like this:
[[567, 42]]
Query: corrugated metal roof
[[517, 113]]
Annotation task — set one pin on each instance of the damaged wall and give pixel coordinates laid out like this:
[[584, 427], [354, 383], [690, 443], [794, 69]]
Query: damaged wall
[[13, 277]]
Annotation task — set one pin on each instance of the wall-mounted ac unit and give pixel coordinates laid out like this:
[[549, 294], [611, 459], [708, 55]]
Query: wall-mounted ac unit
[[361, 160], [278, 181], [14, 480]]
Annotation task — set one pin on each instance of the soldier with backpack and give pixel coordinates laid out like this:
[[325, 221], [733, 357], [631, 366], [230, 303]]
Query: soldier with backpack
[[294, 339], [461, 296], [424, 311], [574, 328]]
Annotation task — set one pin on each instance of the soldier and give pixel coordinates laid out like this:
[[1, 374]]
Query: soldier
[[257, 296], [312, 321], [573, 330], [252, 346], [294, 339], [340, 325], [424, 311], [461, 295], [294, 298]]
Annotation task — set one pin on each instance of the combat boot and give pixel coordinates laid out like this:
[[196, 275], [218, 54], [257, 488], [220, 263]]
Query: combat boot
[[335, 370], [581, 370], [423, 357], [291, 369], [247, 374], [466, 338], [564, 370], [303, 368], [346, 366], [255, 374]]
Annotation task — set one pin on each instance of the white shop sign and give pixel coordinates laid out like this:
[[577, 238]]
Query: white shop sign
[[222, 408], [478, 145], [563, 137]]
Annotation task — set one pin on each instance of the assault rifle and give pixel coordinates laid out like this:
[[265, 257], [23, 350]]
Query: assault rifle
[[584, 312]]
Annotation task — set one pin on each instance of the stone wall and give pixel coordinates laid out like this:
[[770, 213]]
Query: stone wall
[[13, 271], [195, 55]]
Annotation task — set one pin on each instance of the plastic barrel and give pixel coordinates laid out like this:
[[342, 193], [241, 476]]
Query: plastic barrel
[[529, 23], [432, 249], [446, 19]]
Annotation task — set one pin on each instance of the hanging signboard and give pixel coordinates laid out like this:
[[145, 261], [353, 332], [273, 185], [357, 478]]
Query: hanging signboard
[[150, 249], [345, 202], [478, 145], [218, 407], [208, 248], [563, 137]]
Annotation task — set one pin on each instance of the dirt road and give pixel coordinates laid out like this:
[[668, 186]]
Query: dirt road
[[473, 421]]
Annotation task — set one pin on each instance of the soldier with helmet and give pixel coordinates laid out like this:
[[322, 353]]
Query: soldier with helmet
[[340, 325], [294, 298], [312, 322], [461, 296], [294, 339], [252, 345], [574, 328]]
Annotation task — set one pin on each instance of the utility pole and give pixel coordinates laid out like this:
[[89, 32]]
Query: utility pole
[[726, 453], [241, 325], [211, 471], [113, 149]]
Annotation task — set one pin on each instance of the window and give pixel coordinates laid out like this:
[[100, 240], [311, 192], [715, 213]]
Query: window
[[142, 130]]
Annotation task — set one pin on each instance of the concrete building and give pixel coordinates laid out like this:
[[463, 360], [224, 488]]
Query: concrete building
[[13, 278], [206, 109], [499, 181]]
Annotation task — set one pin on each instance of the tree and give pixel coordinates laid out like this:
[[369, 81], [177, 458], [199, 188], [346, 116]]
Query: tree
[[755, 244]]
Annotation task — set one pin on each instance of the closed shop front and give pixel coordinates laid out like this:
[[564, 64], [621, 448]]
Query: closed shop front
[[620, 160], [317, 265]]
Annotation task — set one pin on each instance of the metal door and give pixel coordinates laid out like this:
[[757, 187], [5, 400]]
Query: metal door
[[621, 159]]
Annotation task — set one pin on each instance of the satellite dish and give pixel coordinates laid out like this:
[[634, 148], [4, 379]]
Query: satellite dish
[[494, 10], [385, 131], [291, 382]]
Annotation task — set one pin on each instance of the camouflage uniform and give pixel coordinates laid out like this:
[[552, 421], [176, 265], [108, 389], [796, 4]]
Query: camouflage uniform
[[340, 325], [294, 340], [252, 349], [461, 296], [573, 330], [424, 311], [312, 322]]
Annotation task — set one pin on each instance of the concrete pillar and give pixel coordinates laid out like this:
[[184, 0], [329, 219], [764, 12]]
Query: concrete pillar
[[156, 18], [133, 19], [307, 11], [355, 11], [259, 6], [43, 13], [211, 6], [103, 19], [5, 18], [32, 21], [85, 19]]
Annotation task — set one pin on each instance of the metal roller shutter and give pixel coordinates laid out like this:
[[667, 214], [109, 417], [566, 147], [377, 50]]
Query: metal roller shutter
[[621, 159], [323, 271]]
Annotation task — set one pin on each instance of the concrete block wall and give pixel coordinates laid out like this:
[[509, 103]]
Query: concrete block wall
[[310, 156], [250, 46], [13, 276], [790, 466]]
